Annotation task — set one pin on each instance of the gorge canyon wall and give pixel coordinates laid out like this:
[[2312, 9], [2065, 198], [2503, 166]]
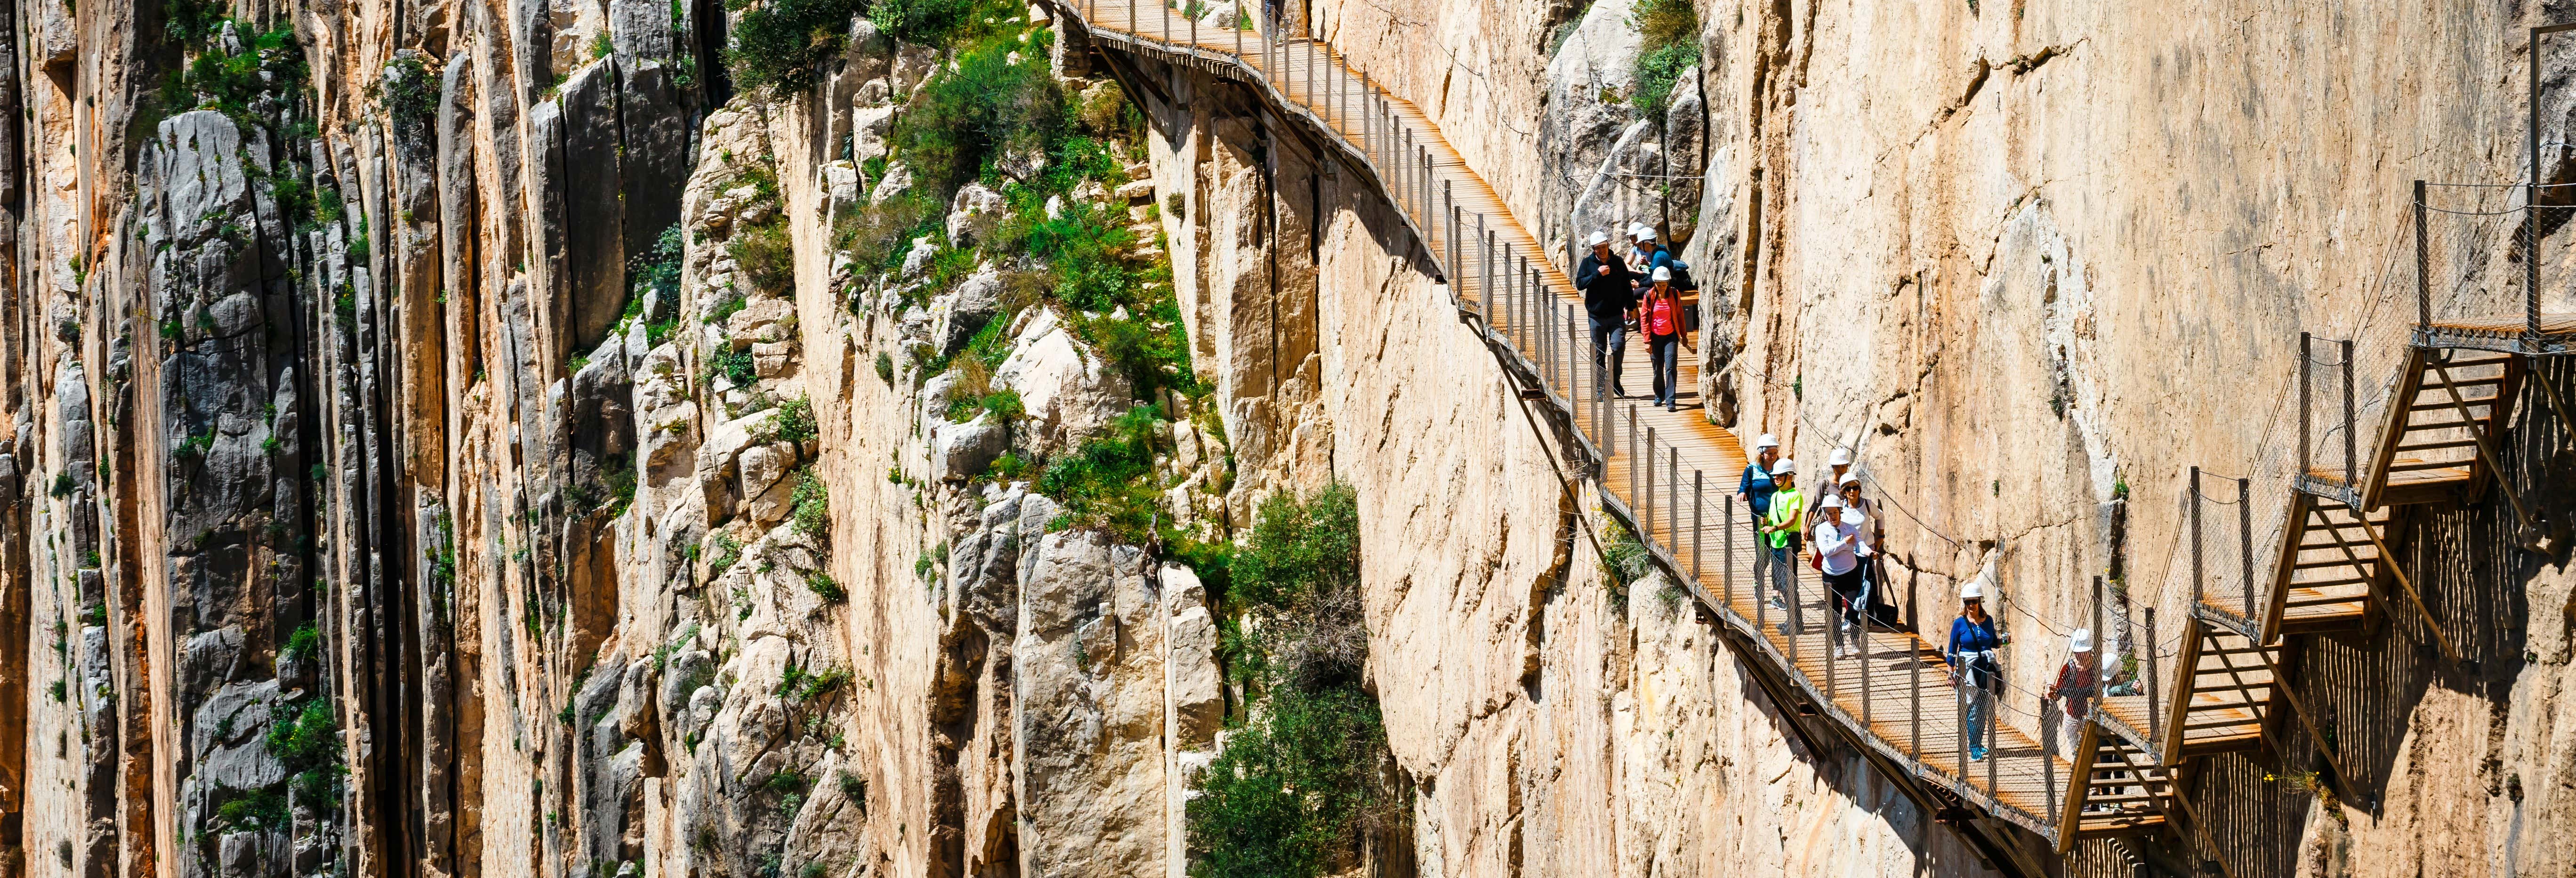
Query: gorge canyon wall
[[500, 438]]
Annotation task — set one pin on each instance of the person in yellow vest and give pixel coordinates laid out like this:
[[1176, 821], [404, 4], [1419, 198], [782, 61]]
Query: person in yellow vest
[[1784, 531]]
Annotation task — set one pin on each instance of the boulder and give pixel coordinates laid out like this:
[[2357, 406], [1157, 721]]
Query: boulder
[[956, 315], [973, 214], [1067, 390], [963, 451]]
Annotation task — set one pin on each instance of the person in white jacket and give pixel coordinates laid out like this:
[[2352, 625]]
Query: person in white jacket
[[1837, 544]]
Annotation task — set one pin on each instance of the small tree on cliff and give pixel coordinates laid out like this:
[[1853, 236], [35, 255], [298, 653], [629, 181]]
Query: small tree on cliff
[[1299, 788]]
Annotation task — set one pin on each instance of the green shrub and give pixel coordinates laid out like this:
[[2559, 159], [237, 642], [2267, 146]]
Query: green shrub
[[411, 96], [1669, 32], [738, 366], [885, 368], [306, 741], [810, 505], [980, 109], [656, 270], [793, 423], [778, 44], [1291, 793], [823, 586], [725, 310], [305, 643], [920, 21], [1106, 483], [767, 257], [252, 809]]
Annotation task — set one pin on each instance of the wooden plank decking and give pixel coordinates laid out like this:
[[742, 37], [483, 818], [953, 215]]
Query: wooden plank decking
[[1894, 696]]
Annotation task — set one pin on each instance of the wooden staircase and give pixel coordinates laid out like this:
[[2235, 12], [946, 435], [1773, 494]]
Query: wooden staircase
[[2223, 695], [2331, 569], [2120, 790], [2441, 430]]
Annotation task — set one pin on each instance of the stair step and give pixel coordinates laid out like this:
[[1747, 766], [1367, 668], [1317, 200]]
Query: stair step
[[2437, 446]]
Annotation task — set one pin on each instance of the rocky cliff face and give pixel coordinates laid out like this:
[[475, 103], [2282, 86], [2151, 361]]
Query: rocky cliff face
[[486, 438]]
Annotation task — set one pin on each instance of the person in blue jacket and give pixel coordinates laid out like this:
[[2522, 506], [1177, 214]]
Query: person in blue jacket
[[1971, 654], [1754, 490]]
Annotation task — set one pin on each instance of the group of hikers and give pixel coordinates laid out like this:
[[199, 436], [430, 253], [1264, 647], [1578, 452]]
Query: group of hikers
[[1640, 289], [1844, 531]]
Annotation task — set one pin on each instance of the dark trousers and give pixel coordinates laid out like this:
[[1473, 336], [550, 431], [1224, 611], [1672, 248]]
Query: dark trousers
[[1609, 348], [1666, 350]]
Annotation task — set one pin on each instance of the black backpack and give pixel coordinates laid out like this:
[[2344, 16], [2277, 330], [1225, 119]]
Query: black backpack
[[1681, 275]]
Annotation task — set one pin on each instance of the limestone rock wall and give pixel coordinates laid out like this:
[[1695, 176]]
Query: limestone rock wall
[[459, 438]]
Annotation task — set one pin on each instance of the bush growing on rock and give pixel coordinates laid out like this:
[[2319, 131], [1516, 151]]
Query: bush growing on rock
[[1669, 47], [1301, 785], [1103, 484], [999, 98]]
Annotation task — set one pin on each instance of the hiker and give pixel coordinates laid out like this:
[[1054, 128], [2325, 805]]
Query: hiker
[[1872, 530], [1661, 318], [1971, 655], [1649, 257], [1784, 531], [1609, 293], [1754, 491], [2080, 683], [1835, 543]]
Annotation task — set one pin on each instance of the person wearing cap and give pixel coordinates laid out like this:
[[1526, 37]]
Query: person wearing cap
[[2080, 683], [1871, 532], [1970, 653], [1661, 318], [1648, 257], [1754, 489], [1836, 541], [1840, 461], [1784, 529], [1609, 293]]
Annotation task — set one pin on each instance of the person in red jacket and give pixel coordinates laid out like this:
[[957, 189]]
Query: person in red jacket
[[1660, 316]]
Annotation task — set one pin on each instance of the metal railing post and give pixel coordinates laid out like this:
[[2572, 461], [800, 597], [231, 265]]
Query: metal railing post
[[2307, 404], [1194, 31], [1235, 24], [1646, 499], [1761, 590], [1632, 443], [2245, 541], [2423, 270], [1967, 684], [1672, 498], [2198, 573], [1699, 518], [2351, 441], [1449, 206], [1988, 699], [2155, 710], [1484, 272], [1914, 685], [2048, 766]]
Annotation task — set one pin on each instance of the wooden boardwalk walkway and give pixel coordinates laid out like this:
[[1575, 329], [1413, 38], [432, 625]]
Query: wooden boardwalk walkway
[[1667, 472]]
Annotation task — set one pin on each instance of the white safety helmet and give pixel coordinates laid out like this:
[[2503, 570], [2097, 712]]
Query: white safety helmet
[[1662, 274], [1851, 477], [1600, 238], [1840, 457], [1767, 441], [2083, 641], [1784, 467], [1644, 234], [1831, 502], [1975, 588]]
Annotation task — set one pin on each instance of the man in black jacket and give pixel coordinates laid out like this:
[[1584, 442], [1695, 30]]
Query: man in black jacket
[[1609, 293]]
